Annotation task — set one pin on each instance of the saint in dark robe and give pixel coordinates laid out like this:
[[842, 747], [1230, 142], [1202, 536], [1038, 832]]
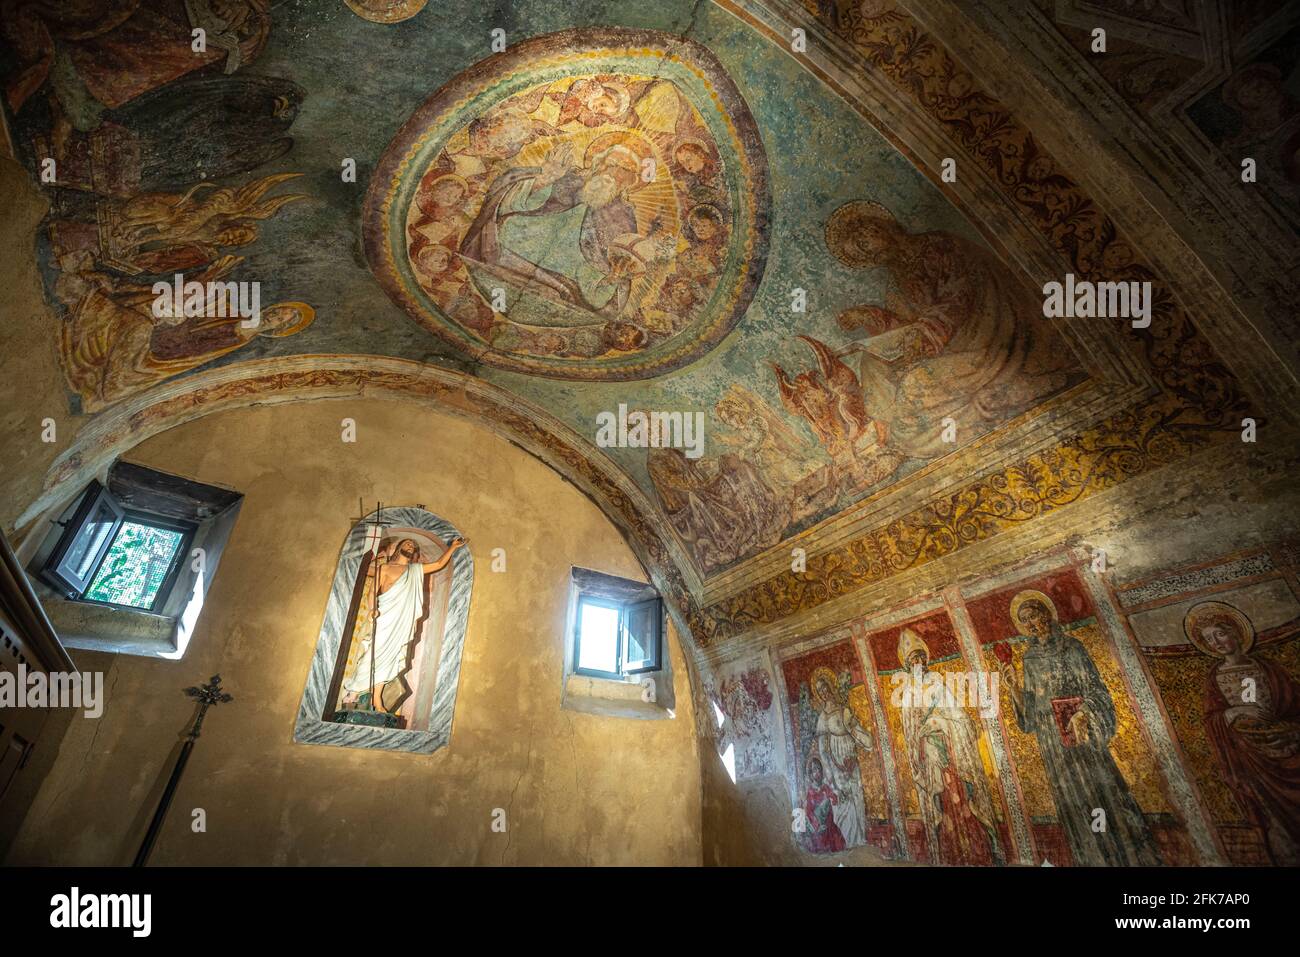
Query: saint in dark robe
[[1252, 718], [1063, 702]]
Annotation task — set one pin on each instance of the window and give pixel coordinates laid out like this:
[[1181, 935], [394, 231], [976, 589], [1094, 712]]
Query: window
[[126, 565], [618, 628], [141, 557], [616, 658], [110, 555], [85, 540]]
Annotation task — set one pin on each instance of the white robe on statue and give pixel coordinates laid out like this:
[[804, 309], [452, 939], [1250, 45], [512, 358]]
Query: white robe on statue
[[399, 609]]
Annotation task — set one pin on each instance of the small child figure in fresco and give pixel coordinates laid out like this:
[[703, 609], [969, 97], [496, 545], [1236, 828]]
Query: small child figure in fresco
[[819, 801]]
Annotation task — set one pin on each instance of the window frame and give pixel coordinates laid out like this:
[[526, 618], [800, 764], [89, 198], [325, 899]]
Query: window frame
[[94, 496], [52, 571], [624, 668], [654, 661]]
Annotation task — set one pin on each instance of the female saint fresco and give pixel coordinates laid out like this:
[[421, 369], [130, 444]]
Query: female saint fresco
[[1252, 718]]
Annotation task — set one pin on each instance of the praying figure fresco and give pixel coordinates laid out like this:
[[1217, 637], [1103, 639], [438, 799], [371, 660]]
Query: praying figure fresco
[[765, 478], [114, 339]]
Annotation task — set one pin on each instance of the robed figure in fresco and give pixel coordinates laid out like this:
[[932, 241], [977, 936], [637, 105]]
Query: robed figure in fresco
[[1252, 718], [566, 231], [1063, 702], [722, 507], [839, 735], [387, 629], [98, 54], [958, 337], [943, 751], [822, 834]]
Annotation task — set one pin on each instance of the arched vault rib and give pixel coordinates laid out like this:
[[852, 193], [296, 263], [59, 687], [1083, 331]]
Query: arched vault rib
[[320, 377]]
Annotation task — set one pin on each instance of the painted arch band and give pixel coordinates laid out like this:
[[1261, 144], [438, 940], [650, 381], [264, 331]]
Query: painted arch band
[[585, 205]]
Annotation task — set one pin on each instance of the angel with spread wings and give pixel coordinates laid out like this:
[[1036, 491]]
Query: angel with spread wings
[[830, 399]]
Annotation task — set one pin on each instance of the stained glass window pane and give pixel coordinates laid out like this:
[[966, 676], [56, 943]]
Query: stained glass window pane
[[136, 564]]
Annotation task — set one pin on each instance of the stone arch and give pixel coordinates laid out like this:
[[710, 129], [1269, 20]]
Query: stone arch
[[321, 377]]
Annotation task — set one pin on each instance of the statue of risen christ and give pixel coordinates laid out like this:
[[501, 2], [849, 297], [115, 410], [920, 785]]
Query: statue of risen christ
[[399, 584]]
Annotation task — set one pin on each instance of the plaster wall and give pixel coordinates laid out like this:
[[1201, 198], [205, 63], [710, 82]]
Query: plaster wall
[[576, 788]]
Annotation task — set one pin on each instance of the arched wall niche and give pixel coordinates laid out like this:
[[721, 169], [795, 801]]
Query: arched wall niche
[[424, 687]]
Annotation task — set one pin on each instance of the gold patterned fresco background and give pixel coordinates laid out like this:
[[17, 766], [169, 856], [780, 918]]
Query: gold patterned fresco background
[[1129, 748], [873, 779], [1181, 680]]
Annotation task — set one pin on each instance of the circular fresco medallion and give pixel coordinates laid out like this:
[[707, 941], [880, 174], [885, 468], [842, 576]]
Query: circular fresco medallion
[[591, 204], [386, 11]]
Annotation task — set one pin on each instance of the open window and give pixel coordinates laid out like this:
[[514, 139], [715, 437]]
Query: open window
[[616, 659], [127, 563], [616, 638], [86, 538], [113, 555]]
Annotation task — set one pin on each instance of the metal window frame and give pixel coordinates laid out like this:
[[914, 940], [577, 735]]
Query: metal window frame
[[655, 660], [624, 668], [602, 602], [87, 506]]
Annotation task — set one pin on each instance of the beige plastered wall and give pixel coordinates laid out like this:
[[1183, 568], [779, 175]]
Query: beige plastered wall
[[576, 788]]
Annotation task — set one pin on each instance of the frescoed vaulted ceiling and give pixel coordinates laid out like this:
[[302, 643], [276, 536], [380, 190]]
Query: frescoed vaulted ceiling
[[655, 207]]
